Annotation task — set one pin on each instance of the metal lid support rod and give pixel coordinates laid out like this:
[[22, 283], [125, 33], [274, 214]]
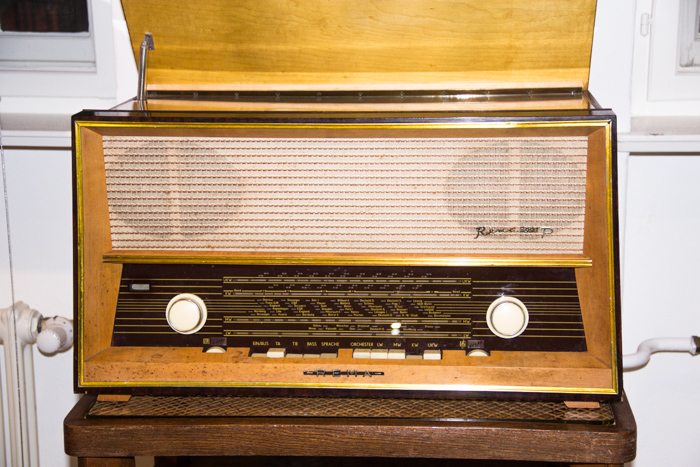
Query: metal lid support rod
[[146, 45]]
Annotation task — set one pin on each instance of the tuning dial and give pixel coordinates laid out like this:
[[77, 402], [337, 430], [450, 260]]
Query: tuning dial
[[507, 317], [186, 313]]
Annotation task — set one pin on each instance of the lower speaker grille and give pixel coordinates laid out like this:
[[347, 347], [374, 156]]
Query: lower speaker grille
[[429, 409]]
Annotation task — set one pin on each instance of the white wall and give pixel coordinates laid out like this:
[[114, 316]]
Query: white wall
[[40, 220], [660, 218], [661, 276], [39, 194]]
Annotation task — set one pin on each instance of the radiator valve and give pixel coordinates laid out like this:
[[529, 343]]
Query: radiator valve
[[56, 335]]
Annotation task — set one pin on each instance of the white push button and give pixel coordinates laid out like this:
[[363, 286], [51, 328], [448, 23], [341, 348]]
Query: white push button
[[432, 354], [186, 313], [276, 353], [507, 317], [379, 354], [361, 353], [397, 354]]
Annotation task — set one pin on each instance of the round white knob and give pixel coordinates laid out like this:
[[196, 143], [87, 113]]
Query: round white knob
[[507, 317], [48, 341], [186, 313], [56, 335]]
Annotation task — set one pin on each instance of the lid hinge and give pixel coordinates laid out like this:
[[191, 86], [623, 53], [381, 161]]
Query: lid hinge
[[146, 45]]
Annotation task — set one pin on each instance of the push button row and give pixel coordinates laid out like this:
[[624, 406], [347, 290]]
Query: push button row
[[395, 354], [377, 354], [282, 353]]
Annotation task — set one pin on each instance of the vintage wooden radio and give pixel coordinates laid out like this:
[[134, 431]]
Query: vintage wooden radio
[[385, 198]]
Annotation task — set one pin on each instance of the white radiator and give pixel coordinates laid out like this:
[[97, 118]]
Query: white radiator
[[20, 327]]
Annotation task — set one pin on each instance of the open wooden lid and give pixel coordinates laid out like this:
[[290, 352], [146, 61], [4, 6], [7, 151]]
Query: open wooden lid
[[364, 45]]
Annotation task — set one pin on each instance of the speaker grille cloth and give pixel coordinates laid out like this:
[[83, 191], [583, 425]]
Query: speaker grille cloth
[[451, 195]]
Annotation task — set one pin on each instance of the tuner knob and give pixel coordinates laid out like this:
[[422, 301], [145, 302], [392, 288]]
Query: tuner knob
[[507, 317], [186, 313]]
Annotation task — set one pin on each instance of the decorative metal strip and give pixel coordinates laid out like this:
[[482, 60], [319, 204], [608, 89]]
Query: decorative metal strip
[[331, 407]]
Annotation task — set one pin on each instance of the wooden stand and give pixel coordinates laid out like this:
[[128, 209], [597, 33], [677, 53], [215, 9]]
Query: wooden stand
[[114, 441]]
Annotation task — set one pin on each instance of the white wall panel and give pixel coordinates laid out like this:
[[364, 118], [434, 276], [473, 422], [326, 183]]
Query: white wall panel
[[39, 196], [662, 255]]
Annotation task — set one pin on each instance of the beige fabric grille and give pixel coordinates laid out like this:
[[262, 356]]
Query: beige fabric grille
[[452, 195]]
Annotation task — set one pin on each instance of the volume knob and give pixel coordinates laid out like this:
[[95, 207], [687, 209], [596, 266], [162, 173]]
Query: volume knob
[[186, 313], [507, 317]]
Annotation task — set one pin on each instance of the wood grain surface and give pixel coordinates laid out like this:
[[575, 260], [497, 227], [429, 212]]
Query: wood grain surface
[[401, 438], [348, 44]]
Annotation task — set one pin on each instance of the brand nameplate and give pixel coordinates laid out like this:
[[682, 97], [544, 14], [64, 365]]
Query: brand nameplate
[[348, 373]]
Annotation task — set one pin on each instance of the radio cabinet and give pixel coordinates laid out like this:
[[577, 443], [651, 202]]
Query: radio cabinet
[[381, 212]]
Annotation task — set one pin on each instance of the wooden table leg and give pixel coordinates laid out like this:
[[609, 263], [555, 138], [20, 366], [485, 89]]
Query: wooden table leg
[[106, 462]]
